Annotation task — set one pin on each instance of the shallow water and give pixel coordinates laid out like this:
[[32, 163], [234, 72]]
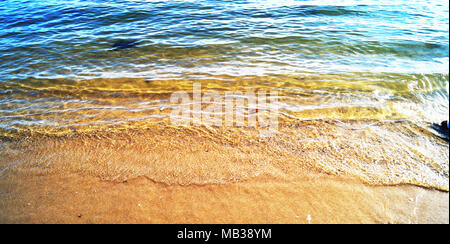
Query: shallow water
[[57, 68], [356, 63]]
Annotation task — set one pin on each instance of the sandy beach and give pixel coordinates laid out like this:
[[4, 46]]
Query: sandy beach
[[75, 199], [182, 175], [224, 112]]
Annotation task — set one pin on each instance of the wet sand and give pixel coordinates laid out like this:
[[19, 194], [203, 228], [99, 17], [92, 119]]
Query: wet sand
[[232, 175], [80, 199]]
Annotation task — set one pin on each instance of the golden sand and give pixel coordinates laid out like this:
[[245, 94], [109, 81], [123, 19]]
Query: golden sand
[[332, 171], [326, 199]]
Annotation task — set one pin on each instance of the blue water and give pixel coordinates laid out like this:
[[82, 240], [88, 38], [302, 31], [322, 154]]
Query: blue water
[[51, 52], [71, 38]]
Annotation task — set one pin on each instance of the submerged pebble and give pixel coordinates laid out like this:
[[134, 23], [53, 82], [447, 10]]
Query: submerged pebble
[[442, 129], [124, 44]]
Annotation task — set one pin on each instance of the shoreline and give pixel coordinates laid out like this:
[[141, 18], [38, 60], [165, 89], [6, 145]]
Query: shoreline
[[326, 199], [333, 172]]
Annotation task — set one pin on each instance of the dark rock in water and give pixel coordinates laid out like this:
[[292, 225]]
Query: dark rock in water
[[123, 44], [442, 129]]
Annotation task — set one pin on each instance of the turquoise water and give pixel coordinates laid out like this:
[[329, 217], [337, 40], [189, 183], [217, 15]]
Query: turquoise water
[[57, 68]]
